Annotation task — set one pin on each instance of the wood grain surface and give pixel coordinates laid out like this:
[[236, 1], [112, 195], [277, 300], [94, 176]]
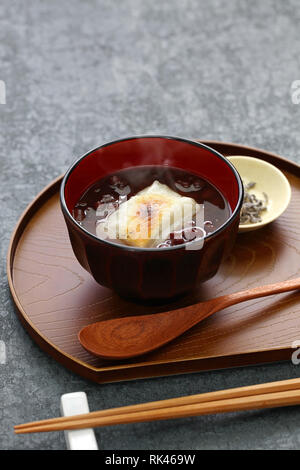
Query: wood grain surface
[[55, 297]]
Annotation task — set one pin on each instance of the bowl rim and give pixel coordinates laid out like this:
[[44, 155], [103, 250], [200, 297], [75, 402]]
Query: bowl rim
[[233, 216]]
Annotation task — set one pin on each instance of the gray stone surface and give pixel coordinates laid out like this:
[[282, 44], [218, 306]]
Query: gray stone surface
[[80, 73]]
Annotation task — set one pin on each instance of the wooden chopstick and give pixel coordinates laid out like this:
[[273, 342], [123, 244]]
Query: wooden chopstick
[[273, 394]]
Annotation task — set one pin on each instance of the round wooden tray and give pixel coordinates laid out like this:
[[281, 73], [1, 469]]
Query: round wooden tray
[[55, 297]]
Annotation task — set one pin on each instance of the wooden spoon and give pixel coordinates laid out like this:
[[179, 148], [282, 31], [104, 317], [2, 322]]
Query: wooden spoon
[[123, 338]]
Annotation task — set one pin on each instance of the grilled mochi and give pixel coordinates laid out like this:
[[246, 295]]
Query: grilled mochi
[[149, 217]]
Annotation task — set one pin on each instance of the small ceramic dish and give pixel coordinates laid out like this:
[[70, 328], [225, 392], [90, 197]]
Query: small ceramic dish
[[269, 180]]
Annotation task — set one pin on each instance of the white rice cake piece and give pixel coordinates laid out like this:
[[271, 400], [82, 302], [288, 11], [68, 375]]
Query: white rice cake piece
[[148, 218]]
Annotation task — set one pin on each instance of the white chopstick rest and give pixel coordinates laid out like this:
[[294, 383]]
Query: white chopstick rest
[[80, 439]]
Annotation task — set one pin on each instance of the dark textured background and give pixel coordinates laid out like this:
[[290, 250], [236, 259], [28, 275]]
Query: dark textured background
[[80, 73]]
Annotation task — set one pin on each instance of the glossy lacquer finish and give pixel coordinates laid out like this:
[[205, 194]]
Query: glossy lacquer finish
[[151, 273], [127, 337]]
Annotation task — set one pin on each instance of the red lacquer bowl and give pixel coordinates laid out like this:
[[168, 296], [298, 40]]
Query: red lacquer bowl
[[151, 273]]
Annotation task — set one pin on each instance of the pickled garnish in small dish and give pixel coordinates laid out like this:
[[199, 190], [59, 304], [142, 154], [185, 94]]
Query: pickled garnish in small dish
[[267, 192], [252, 206]]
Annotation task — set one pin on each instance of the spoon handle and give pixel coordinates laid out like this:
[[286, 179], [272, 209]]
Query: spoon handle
[[256, 292]]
